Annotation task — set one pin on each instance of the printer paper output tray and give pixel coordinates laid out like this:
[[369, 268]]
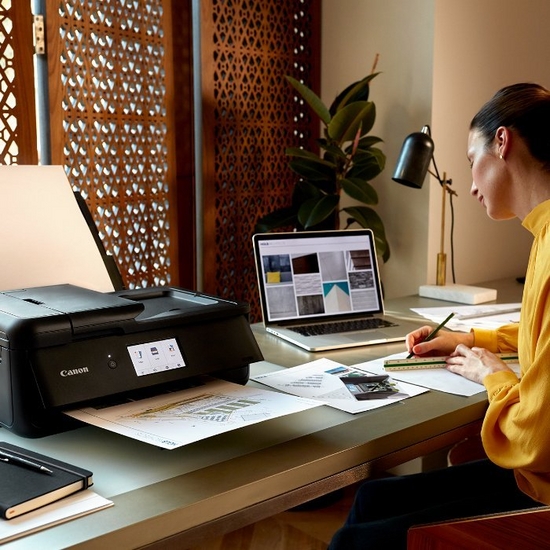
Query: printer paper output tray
[[63, 346]]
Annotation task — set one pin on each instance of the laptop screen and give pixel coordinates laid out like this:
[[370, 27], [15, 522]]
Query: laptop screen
[[318, 274]]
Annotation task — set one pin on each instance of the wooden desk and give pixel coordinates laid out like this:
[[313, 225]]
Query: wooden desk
[[178, 498]]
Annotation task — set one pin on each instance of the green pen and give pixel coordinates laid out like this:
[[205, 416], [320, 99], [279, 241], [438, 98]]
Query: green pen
[[434, 332]]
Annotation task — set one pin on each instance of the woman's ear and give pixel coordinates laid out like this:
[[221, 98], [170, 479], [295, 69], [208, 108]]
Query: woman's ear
[[502, 141]]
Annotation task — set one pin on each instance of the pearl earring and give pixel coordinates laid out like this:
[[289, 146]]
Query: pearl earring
[[501, 157]]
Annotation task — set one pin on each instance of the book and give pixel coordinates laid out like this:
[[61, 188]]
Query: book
[[30, 480]]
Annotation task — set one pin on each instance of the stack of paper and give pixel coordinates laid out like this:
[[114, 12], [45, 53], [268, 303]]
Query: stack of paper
[[320, 380], [74, 506], [478, 316]]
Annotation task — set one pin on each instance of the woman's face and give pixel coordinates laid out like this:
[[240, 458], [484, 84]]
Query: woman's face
[[490, 183]]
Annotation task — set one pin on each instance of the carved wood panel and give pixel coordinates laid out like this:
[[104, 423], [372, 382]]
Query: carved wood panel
[[250, 115], [111, 98], [17, 111]]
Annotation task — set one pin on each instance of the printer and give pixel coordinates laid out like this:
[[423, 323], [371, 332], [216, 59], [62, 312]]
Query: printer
[[63, 347]]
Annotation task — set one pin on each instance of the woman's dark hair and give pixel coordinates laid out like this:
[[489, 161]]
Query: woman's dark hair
[[524, 107]]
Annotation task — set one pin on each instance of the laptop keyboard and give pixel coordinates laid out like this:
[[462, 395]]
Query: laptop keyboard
[[342, 326]]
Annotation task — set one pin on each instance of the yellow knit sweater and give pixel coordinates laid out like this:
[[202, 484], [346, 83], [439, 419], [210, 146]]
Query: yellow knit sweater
[[516, 428]]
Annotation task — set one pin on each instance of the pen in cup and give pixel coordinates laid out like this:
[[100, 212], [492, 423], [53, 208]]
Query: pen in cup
[[434, 332], [24, 462]]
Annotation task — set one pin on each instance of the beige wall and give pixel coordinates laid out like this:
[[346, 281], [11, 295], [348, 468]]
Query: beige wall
[[440, 60], [480, 46], [401, 31]]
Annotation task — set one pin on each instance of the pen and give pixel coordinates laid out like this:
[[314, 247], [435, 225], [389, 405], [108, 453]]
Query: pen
[[434, 332], [20, 461]]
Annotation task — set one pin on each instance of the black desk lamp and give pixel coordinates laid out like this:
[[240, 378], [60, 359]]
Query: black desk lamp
[[412, 166]]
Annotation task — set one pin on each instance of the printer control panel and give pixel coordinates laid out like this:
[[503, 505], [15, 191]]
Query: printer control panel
[[157, 356]]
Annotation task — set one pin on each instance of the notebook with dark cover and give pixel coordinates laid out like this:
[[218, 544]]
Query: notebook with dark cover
[[321, 290], [23, 489]]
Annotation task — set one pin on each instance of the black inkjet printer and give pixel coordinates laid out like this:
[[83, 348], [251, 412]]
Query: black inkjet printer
[[64, 347]]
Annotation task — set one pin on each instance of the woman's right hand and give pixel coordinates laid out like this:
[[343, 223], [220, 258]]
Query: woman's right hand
[[444, 343]]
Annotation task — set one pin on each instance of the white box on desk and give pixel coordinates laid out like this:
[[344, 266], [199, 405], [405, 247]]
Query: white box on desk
[[464, 294]]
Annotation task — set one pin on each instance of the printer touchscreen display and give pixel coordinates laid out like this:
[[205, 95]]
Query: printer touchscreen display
[[152, 357]]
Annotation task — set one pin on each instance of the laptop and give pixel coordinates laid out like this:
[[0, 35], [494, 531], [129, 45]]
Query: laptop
[[321, 290]]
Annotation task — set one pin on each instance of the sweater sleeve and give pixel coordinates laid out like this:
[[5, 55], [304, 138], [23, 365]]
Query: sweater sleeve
[[504, 339]]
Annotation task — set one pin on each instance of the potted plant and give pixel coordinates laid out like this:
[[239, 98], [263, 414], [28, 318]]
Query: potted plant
[[347, 160]]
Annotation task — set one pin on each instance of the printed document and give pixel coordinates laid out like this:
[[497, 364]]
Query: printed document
[[178, 418], [320, 380]]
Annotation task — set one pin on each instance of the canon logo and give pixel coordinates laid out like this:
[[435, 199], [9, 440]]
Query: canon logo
[[74, 372]]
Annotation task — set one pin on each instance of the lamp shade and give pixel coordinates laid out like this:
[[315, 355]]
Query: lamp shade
[[414, 159]]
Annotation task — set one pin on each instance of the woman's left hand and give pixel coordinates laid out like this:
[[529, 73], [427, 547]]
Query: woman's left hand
[[474, 363]]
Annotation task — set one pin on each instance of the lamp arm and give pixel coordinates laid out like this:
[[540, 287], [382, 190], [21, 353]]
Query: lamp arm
[[443, 181], [427, 130]]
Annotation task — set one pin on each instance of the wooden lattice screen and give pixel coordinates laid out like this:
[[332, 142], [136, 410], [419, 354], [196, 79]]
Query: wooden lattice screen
[[250, 116], [111, 94], [17, 111]]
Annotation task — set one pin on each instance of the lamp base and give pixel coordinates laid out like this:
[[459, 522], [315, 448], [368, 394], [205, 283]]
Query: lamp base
[[463, 294]]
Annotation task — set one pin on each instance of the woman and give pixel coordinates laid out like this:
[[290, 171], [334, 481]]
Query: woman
[[509, 154]]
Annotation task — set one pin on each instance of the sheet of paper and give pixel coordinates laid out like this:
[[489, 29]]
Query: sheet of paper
[[179, 418], [47, 240], [320, 380], [489, 316], [434, 379], [71, 507]]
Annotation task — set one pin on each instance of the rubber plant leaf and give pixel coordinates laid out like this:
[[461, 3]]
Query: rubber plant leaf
[[357, 91], [366, 142], [360, 190], [313, 169], [314, 211], [346, 122], [304, 190], [368, 218], [333, 151], [366, 167], [311, 99], [278, 218], [375, 152], [301, 153]]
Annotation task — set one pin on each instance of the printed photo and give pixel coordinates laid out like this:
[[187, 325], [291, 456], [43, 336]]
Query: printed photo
[[277, 269], [281, 302], [333, 266], [361, 280], [359, 260], [310, 305], [337, 298], [307, 263]]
